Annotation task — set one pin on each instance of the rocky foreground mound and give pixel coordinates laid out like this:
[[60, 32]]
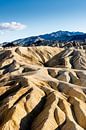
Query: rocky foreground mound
[[42, 88]]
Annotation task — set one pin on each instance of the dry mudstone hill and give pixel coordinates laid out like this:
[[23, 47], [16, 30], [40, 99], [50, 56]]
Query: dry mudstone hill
[[42, 88]]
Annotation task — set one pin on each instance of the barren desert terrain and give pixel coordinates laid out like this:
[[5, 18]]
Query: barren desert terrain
[[42, 88]]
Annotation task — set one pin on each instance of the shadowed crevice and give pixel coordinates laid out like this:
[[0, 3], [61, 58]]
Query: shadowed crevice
[[27, 121], [22, 83]]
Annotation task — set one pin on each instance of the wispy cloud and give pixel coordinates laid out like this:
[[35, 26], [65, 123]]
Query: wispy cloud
[[10, 26]]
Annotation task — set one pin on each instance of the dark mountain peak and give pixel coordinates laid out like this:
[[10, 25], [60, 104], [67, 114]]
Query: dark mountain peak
[[48, 39]]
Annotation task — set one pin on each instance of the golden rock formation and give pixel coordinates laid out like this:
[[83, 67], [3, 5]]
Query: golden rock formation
[[42, 88]]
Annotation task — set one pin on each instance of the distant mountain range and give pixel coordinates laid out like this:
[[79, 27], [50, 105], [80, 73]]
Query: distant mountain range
[[48, 39]]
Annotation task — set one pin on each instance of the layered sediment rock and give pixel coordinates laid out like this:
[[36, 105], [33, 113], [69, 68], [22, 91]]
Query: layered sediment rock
[[42, 88]]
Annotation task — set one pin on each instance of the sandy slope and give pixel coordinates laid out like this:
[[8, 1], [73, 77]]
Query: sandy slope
[[42, 88]]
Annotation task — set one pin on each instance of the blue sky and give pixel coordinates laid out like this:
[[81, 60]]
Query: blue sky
[[24, 18]]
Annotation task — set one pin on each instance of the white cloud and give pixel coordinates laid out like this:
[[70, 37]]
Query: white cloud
[[11, 26], [1, 32]]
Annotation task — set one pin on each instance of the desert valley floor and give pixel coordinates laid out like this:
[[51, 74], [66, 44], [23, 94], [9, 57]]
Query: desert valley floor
[[42, 88]]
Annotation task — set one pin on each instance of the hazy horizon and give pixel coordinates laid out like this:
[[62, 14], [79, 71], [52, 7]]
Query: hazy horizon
[[20, 18], [39, 34]]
